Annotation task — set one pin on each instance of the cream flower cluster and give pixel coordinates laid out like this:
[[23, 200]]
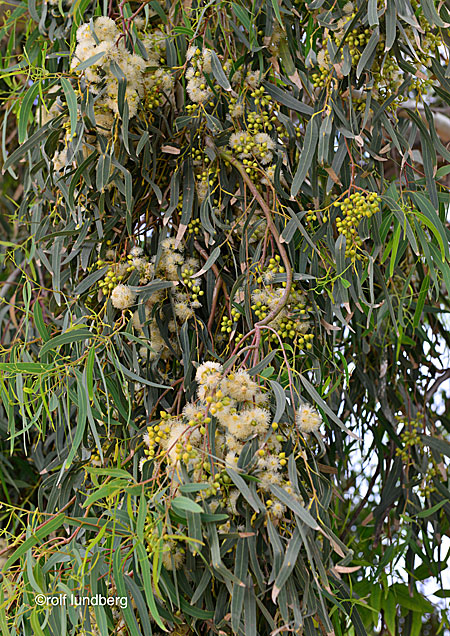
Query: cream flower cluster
[[240, 407], [259, 146], [197, 86], [258, 229], [200, 63], [122, 297], [294, 315], [106, 39], [157, 344], [308, 419], [117, 270], [173, 266], [172, 556], [253, 79], [173, 258], [172, 263]]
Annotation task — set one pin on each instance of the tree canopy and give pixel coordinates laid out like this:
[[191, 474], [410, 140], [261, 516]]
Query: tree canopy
[[224, 286]]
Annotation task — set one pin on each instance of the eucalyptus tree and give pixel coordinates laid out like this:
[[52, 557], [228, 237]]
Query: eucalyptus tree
[[225, 278]]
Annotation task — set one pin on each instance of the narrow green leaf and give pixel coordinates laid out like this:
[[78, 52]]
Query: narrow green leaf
[[218, 71], [250, 609], [188, 196], [134, 376], [25, 367], [280, 399], [286, 99], [323, 405], [35, 624], [368, 52], [285, 54], [442, 593], [390, 24], [306, 157], [423, 514], [90, 372], [209, 263], [290, 559], [69, 337], [184, 503], [372, 13], [295, 506], [25, 110], [240, 570], [434, 230], [30, 143], [395, 244], [148, 588], [81, 421], [113, 487], [71, 100], [262, 365], [217, 563], [245, 491], [434, 222], [324, 140], [109, 472], [243, 16], [187, 488], [91, 279], [431, 15], [276, 9], [90, 61], [119, 581]]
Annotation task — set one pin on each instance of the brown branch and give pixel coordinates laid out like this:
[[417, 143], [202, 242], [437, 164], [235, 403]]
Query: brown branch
[[432, 390], [214, 268], [271, 225]]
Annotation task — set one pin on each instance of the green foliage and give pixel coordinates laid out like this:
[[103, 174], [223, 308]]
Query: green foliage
[[225, 282]]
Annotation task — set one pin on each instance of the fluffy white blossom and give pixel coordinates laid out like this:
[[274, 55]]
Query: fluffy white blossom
[[191, 411], [111, 45], [198, 90], [172, 559], [202, 190], [191, 52], [253, 79], [122, 297], [308, 419], [206, 369], [236, 109], [207, 61], [183, 310], [277, 509], [239, 386]]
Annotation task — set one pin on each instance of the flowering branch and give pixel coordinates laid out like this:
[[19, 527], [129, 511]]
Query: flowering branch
[[271, 225]]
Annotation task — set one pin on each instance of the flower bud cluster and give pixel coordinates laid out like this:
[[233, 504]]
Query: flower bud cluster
[[412, 443], [353, 209]]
